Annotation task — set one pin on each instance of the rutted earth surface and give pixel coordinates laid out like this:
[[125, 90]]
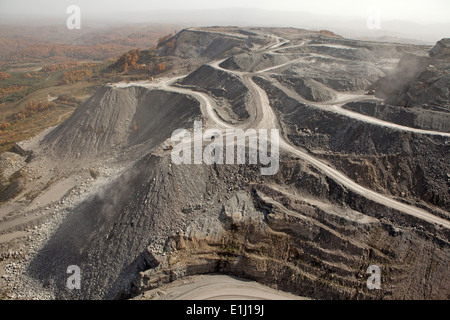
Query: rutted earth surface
[[364, 176]]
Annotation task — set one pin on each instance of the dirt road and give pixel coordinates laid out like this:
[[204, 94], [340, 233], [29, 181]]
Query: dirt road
[[217, 287], [264, 117]]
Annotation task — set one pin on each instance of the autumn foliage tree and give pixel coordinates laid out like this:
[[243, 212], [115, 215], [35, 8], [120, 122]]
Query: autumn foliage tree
[[67, 100], [161, 67], [4, 126], [138, 61], [4, 91], [34, 108], [75, 76], [164, 39], [4, 76], [128, 60]]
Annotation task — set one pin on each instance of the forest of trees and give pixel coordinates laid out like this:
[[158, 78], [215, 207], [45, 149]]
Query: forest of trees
[[16, 85], [67, 100], [33, 62], [128, 60], [64, 52], [73, 76], [5, 91], [141, 61], [4, 76], [60, 66], [34, 108]]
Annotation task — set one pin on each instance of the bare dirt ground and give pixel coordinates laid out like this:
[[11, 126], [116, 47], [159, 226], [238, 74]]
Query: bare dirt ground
[[216, 287]]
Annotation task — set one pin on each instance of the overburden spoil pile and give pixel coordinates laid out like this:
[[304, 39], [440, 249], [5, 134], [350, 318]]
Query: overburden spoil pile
[[146, 222]]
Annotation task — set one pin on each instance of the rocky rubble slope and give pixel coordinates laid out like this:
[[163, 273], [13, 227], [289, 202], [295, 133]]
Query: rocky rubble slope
[[230, 221], [201, 44], [419, 80], [133, 221], [228, 89], [114, 119], [414, 117], [378, 157]]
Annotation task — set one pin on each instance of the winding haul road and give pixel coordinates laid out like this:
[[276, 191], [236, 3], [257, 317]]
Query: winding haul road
[[263, 117]]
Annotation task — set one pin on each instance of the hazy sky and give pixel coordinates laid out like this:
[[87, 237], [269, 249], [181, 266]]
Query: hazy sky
[[422, 11]]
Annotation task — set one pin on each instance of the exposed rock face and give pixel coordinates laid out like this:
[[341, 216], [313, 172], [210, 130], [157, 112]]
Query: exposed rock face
[[419, 80], [194, 44], [408, 68], [309, 89], [378, 157], [253, 61], [298, 248], [107, 234], [314, 248], [223, 86], [441, 50], [10, 187], [415, 117]]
